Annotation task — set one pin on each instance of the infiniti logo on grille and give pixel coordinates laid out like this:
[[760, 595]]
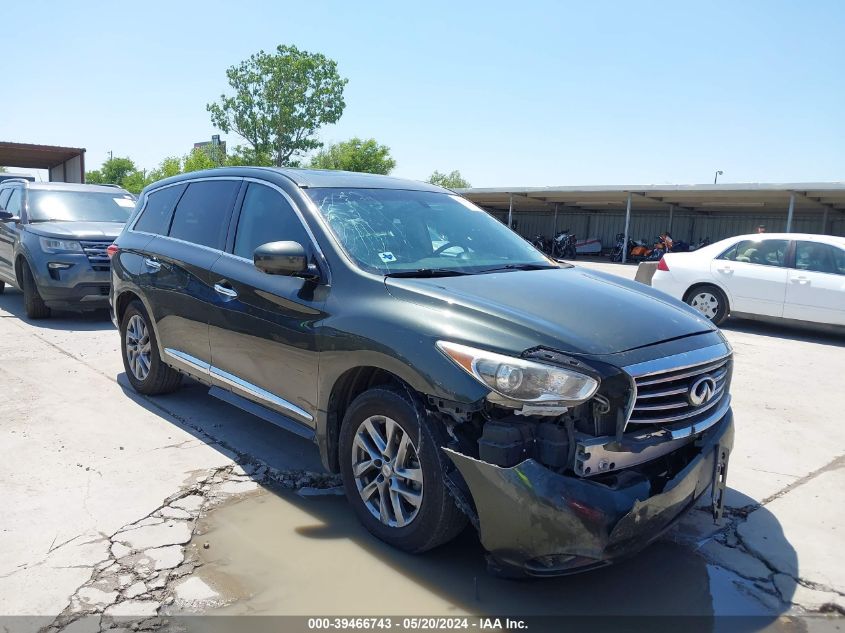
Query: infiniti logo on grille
[[701, 391]]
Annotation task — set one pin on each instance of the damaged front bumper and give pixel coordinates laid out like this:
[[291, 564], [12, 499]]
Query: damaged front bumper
[[535, 521]]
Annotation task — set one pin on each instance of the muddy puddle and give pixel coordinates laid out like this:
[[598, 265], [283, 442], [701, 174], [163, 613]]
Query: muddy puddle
[[275, 553]]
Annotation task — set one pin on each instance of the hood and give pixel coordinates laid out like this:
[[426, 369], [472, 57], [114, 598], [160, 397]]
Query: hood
[[78, 230], [571, 309]]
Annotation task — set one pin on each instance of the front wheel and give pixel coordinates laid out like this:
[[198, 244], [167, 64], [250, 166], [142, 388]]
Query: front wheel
[[146, 372], [393, 472], [32, 301], [710, 302]]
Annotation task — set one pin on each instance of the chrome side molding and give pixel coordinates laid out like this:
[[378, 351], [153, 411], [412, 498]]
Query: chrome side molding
[[210, 371]]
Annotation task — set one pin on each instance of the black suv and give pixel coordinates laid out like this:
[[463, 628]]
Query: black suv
[[446, 368], [53, 241]]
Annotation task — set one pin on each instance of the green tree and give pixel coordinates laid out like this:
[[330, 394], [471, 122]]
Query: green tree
[[135, 181], [197, 160], [355, 155], [452, 180], [170, 166], [113, 171], [280, 101]]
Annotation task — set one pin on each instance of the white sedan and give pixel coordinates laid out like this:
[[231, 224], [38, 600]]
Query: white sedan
[[770, 275]]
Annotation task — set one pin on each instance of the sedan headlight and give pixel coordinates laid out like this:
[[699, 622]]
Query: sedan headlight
[[52, 245], [520, 379]]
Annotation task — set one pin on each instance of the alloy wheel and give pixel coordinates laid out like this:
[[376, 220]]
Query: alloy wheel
[[387, 471], [706, 303], [138, 347]]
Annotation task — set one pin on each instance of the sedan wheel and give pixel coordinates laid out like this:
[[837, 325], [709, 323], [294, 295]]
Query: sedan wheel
[[710, 302], [706, 303], [387, 471]]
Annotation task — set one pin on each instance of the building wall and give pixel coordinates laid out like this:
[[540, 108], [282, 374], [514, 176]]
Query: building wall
[[69, 171], [647, 225]]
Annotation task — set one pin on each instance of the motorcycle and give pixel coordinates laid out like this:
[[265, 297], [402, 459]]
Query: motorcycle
[[542, 243], [701, 244], [563, 245]]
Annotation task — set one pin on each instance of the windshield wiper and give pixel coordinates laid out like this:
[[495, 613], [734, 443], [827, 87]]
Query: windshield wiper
[[428, 272], [519, 267]]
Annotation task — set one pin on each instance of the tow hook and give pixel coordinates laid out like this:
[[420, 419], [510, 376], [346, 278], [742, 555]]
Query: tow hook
[[720, 477]]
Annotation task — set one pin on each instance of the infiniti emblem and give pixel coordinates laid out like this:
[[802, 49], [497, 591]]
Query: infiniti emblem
[[701, 391]]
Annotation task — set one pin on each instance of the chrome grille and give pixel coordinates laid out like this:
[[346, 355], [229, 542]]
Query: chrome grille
[[663, 396], [97, 255]]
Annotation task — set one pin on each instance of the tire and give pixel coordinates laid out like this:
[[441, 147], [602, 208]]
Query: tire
[[32, 301], [436, 520], [710, 301], [146, 372]]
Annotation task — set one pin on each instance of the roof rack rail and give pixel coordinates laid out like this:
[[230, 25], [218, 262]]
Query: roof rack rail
[[4, 180]]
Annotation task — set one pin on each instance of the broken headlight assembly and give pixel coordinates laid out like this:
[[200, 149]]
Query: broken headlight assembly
[[520, 379]]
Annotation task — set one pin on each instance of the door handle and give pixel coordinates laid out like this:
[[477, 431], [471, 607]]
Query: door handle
[[226, 291], [152, 264], [800, 280], [725, 269]]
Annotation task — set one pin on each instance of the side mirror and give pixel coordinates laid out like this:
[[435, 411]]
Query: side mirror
[[283, 258], [6, 216]]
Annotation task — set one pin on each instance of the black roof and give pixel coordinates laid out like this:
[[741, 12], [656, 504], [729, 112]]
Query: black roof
[[314, 178]]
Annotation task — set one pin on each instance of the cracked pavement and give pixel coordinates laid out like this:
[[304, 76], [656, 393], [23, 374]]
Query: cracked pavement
[[103, 489]]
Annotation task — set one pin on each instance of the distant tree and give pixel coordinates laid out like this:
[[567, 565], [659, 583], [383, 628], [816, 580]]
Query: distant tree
[[112, 171], [135, 181], [280, 101], [118, 171], [355, 155], [453, 180], [197, 160], [2, 170], [170, 166]]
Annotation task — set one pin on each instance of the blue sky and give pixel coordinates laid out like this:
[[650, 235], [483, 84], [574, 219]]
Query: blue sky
[[510, 93]]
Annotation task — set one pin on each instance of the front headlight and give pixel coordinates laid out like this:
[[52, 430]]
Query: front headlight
[[52, 245], [520, 379]]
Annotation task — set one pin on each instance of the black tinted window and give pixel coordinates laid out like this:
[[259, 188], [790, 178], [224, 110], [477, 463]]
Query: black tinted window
[[266, 217], [765, 252], [201, 217], [155, 218], [820, 258]]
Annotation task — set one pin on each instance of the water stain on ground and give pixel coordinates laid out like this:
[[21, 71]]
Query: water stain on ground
[[275, 553]]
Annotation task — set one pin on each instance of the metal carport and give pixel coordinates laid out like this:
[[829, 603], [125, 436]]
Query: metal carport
[[65, 164], [690, 212]]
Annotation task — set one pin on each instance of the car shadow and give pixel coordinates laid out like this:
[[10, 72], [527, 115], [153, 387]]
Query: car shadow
[[669, 578], [805, 333], [11, 301]]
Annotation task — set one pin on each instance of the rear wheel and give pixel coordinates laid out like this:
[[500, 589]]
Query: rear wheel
[[146, 372], [710, 302], [32, 301], [393, 472]]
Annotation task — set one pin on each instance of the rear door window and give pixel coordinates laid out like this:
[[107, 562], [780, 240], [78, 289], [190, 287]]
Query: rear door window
[[202, 214], [266, 216], [155, 218], [820, 258], [763, 252]]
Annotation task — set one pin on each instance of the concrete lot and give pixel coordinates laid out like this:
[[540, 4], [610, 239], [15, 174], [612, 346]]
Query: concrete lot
[[121, 505]]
